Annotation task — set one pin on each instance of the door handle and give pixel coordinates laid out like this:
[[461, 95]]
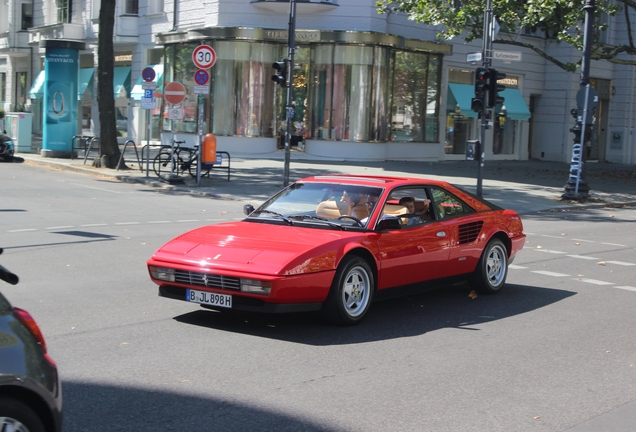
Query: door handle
[[441, 234]]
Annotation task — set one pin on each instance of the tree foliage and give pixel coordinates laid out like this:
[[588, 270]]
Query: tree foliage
[[558, 21]]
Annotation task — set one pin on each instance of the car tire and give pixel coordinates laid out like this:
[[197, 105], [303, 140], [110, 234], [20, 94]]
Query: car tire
[[492, 269], [351, 292], [18, 417]]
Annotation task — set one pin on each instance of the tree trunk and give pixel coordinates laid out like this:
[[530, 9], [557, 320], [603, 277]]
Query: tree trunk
[[109, 149]]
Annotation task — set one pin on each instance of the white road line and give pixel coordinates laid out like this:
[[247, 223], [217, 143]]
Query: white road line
[[594, 281], [94, 225], [620, 263], [584, 257], [550, 251], [614, 244], [551, 236], [60, 227], [127, 223], [516, 267], [628, 288], [23, 230], [188, 220], [159, 222], [584, 241], [549, 273]]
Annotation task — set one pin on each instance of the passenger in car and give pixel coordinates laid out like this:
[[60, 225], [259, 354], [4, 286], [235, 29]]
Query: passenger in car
[[355, 207], [418, 217]]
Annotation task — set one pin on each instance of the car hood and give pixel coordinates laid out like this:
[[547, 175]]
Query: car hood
[[256, 248]]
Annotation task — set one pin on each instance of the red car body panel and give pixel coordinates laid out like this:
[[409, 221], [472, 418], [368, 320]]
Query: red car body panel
[[301, 261]]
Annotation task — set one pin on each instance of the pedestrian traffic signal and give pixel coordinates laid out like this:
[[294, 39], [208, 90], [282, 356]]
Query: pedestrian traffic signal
[[280, 76], [477, 105], [494, 98], [481, 82]]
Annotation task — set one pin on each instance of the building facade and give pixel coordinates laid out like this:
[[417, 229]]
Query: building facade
[[367, 86]]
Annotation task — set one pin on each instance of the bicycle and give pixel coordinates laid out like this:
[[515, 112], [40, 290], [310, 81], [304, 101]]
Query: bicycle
[[180, 160]]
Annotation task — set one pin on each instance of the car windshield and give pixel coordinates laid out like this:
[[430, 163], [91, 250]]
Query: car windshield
[[335, 205]]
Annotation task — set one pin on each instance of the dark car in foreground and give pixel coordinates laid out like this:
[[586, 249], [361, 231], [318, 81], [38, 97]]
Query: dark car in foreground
[[30, 390], [337, 242]]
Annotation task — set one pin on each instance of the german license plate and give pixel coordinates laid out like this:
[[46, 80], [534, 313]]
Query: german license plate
[[208, 298]]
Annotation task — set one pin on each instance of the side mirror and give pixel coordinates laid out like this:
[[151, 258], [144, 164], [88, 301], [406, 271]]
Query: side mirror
[[389, 224], [248, 209]]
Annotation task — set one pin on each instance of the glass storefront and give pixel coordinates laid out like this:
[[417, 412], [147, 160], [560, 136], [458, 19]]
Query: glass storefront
[[341, 92]]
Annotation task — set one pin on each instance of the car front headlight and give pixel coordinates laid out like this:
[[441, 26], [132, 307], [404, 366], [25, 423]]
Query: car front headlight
[[255, 286], [162, 273]]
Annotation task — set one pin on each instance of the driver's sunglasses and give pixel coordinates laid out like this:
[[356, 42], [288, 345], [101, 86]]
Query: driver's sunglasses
[[369, 203]]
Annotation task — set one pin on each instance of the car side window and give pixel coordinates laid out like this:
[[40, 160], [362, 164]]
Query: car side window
[[446, 205]]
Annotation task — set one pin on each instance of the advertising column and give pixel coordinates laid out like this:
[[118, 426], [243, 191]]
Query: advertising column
[[59, 123]]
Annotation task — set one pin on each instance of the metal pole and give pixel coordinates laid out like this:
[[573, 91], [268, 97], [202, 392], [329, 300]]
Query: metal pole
[[576, 187], [486, 54], [148, 118], [289, 111]]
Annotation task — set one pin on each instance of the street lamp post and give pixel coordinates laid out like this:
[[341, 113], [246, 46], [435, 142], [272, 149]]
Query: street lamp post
[[289, 108]]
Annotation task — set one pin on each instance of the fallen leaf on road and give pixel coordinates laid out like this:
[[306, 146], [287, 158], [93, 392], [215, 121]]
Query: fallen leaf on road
[[577, 244], [472, 295], [539, 247], [563, 234], [601, 263]]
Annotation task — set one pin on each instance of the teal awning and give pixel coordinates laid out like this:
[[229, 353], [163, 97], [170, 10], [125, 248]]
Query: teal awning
[[37, 89], [462, 95], [137, 92], [85, 81], [516, 107], [121, 80]]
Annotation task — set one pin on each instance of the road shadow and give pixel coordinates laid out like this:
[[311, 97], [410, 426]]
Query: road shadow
[[608, 213], [415, 315], [102, 407]]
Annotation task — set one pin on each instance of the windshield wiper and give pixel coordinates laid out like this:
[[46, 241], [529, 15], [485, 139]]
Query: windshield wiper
[[283, 217], [322, 219]]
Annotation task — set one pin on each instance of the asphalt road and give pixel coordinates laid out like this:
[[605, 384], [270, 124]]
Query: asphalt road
[[555, 350]]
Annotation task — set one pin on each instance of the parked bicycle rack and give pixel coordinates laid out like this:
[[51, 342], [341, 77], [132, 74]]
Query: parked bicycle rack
[[84, 144], [90, 147], [224, 165], [121, 156]]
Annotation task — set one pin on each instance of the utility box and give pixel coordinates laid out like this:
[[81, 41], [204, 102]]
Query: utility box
[[18, 127]]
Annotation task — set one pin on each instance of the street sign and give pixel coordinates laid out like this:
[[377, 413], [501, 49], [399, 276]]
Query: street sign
[[201, 77], [204, 57], [473, 57], [148, 101], [592, 100], [148, 74], [202, 89], [175, 113], [506, 56], [174, 92]]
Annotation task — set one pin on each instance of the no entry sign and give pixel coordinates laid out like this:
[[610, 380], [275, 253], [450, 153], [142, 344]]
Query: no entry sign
[[204, 57], [174, 92]]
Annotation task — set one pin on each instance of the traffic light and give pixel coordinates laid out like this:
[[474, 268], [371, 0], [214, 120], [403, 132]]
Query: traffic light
[[280, 76], [477, 105], [481, 82], [493, 88]]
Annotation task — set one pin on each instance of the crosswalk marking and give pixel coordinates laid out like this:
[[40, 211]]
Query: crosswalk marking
[[594, 281], [584, 257], [549, 273], [516, 267], [628, 288], [621, 263], [550, 251]]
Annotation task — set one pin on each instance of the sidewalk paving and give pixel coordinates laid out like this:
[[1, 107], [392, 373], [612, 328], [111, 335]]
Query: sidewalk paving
[[524, 186]]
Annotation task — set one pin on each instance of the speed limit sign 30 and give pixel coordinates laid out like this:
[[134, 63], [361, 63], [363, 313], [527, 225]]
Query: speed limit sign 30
[[204, 57]]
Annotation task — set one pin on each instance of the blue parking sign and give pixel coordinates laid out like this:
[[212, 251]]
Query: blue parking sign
[[148, 94]]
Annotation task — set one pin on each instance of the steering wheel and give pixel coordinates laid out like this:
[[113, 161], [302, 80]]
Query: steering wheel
[[355, 219]]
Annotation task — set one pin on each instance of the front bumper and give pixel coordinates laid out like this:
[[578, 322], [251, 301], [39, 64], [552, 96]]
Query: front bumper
[[249, 304]]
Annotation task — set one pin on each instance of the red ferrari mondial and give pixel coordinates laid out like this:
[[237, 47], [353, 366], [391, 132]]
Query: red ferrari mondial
[[337, 242]]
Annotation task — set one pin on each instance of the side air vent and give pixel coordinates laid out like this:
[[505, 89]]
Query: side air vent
[[469, 232]]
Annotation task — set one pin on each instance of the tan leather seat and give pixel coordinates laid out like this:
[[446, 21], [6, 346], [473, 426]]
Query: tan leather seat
[[331, 209]]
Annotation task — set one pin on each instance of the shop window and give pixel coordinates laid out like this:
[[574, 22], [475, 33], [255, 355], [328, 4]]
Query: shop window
[[27, 16], [415, 109], [504, 132], [64, 11], [321, 89]]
